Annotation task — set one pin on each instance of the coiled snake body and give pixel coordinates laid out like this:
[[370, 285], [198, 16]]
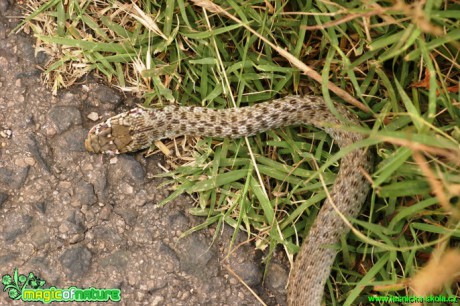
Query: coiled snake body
[[138, 128]]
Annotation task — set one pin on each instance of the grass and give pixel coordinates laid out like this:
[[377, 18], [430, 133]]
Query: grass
[[397, 63]]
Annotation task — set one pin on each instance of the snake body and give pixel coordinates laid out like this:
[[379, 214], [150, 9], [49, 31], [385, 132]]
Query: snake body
[[138, 128]]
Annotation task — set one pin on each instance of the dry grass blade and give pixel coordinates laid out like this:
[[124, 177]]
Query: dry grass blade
[[146, 20]]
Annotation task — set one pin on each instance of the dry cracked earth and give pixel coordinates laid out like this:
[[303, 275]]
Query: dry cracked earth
[[76, 219]]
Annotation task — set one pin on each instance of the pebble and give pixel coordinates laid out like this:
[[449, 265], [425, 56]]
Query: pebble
[[29, 161], [7, 133], [84, 194], [93, 116]]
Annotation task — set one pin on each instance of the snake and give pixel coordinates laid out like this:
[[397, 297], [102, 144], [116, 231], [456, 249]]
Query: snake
[[137, 128]]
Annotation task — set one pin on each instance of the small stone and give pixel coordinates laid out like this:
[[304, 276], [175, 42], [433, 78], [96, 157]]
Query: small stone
[[128, 214], [158, 300], [19, 162], [87, 167], [93, 116], [105, 212], [7, 133], [127, 189], [106, 94], [63, 228], [84, 194], [3, 63], [141, 198], [41, 58], [50, 130], [30, 161], [65, 185]]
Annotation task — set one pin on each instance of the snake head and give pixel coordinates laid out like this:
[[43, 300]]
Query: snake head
[[120, 134], [108, 138]]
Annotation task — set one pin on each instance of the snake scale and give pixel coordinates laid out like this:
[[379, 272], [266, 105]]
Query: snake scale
[[138, 128]]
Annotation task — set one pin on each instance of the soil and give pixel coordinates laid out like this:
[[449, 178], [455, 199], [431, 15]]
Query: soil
[[77, 219]]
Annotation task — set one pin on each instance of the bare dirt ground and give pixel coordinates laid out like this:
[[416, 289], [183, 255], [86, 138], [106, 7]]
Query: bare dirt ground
[[76, 219]]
